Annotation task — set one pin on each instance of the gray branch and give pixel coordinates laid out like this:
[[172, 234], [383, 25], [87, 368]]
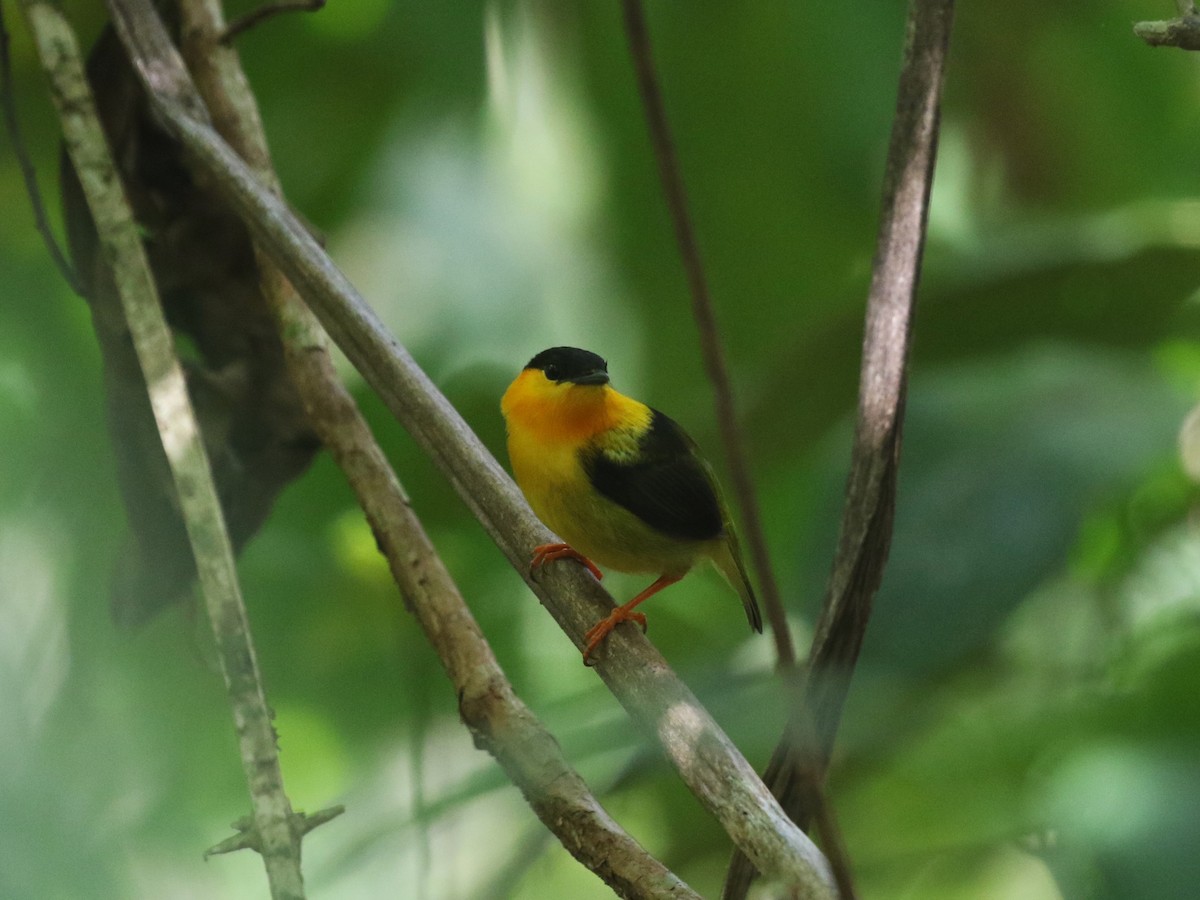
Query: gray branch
[[499, 721]]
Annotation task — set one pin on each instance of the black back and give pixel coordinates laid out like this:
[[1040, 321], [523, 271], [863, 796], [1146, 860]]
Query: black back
[[668, 487]]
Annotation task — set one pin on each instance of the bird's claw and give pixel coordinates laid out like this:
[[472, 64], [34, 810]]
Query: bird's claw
[[598, 632], [544, 553]]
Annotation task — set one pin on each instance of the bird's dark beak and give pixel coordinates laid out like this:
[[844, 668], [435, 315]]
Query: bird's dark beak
[[599, 376]]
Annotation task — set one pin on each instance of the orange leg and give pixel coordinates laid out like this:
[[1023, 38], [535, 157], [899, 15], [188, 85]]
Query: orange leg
[[623, 613], [545, 553]]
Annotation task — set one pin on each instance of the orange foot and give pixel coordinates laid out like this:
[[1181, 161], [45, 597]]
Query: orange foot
[[623, 613], [598, 632], [545, 553]]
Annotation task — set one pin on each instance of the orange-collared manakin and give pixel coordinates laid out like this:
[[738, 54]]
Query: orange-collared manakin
[[622, 484]]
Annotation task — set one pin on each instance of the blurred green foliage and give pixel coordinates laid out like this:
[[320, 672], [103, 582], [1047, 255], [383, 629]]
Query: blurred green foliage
[[1025, 722]]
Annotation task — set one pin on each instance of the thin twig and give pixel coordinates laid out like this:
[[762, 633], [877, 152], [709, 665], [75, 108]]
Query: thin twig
[[1183, 32], [706, 324], [274, 823], [246, 836], [499, 721], [834, 844], [267, 11], [798, 767], [13, 123], [638, 676]]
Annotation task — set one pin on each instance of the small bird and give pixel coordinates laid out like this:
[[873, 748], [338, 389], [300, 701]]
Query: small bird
[[622, 484]]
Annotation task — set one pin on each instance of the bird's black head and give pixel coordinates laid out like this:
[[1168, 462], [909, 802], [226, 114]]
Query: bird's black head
[[572, 365]]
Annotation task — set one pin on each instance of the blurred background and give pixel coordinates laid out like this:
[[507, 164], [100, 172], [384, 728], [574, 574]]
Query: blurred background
[[1025, 722]]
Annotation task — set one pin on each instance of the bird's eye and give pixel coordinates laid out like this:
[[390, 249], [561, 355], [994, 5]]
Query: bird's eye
[[552, 372]]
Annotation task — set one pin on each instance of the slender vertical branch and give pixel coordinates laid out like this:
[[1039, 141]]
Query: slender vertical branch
[[277, 832], [798, 767], [706, 324], [866, 531]]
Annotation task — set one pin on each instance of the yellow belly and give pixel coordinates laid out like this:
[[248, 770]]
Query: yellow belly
[[558, 490]]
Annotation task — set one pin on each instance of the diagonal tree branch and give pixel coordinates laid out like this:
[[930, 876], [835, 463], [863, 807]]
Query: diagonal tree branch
[[638, 676], [276, 828], [797, 769], [706, 324], [498, 719]]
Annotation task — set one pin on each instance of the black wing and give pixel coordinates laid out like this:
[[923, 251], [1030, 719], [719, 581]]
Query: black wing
[[668, 486]]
